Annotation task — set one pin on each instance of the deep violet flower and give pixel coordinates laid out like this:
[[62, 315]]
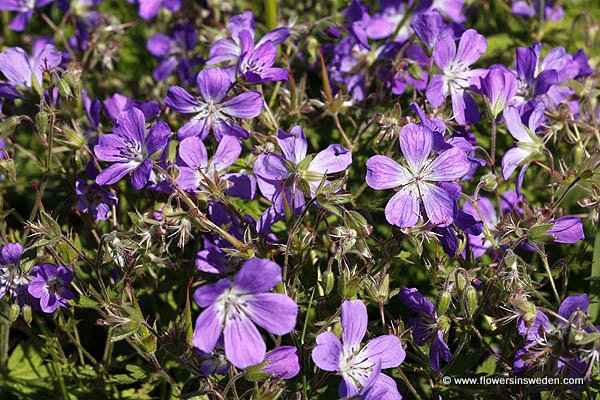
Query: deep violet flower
[[196, 170], [533, 81], [498, 88], [231, 49], [212, 111], [256, 65], [24, 9], [130, 148], [567, 229], [418, 180], [457, 77], [234, 307], [94, 199], [355, 362], [20, 69], [428, 328], [172, 52], [50, 285], [11, 276]]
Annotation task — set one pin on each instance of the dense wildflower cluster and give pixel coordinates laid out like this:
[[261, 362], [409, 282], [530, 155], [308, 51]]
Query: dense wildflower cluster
[[393, 192]]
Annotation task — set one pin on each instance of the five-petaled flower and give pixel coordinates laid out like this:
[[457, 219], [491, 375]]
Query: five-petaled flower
[[420, 180], [213, 111], [234, 307], [129, 148], [357, 363], [50, 284]]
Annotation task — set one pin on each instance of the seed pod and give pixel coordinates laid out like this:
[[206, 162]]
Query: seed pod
[[471, 300], [328, 281], [27, 317], [41, 120], [489, 182]]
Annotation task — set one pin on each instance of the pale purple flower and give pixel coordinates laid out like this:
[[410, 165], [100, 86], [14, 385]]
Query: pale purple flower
[[498, 88], [282, 363], [236, 307], [24, 9], [355, 362], [231, 49], [130, 149], [567, 229], [213, 112], [457, 77], [196, 170], [428, 328], [530, 8], [418, 181], [51, 285], [529, 145], [118, 103], [278, 175], [172, 51], [11, 276], [94, 199], [149, 8], [20, 69]]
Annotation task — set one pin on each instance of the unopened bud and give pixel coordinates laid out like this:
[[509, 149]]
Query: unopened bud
[[9, 124], [328, 281], [64, 89], [471, 300], [13, 314], [443, 302], [27, 317], [41, 119], [489, 182]]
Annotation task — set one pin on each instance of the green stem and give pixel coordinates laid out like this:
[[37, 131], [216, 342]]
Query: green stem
[[4, 336], [271, 13]]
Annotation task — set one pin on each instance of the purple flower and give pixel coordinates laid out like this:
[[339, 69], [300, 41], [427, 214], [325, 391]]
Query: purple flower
[[456, 77], [231, 49], [149, 8], [567, 229], [428, 328], [172, 51], [129, 148], [282, 362], [256, 65], [533, 81], [529, 145], [94, 199], [24, 9], [429, 26], [212, 111], [498, 88], [118, 103], [234, 307], [355, 362], [523, 8], [20, 69], [197, 171], [419, 179], [11, 276], [50, 285], [279, 175]]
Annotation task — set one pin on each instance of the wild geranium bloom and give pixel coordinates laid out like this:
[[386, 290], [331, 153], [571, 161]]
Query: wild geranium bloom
[[24, 9], [213, 111], [130, 148], [498, 88], [117, 103], [282, 363], [529, 144], [279, 176], [172, 51], [234, 307], [457, 77], [567, 229], [197, 171], [418, 180], [256, 65], [552, 12], [11, 276], [428, 328], [94, 199], [50, 285], [355, 362], [20, 69], [149, 8], [231, 49], [533, 81]]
